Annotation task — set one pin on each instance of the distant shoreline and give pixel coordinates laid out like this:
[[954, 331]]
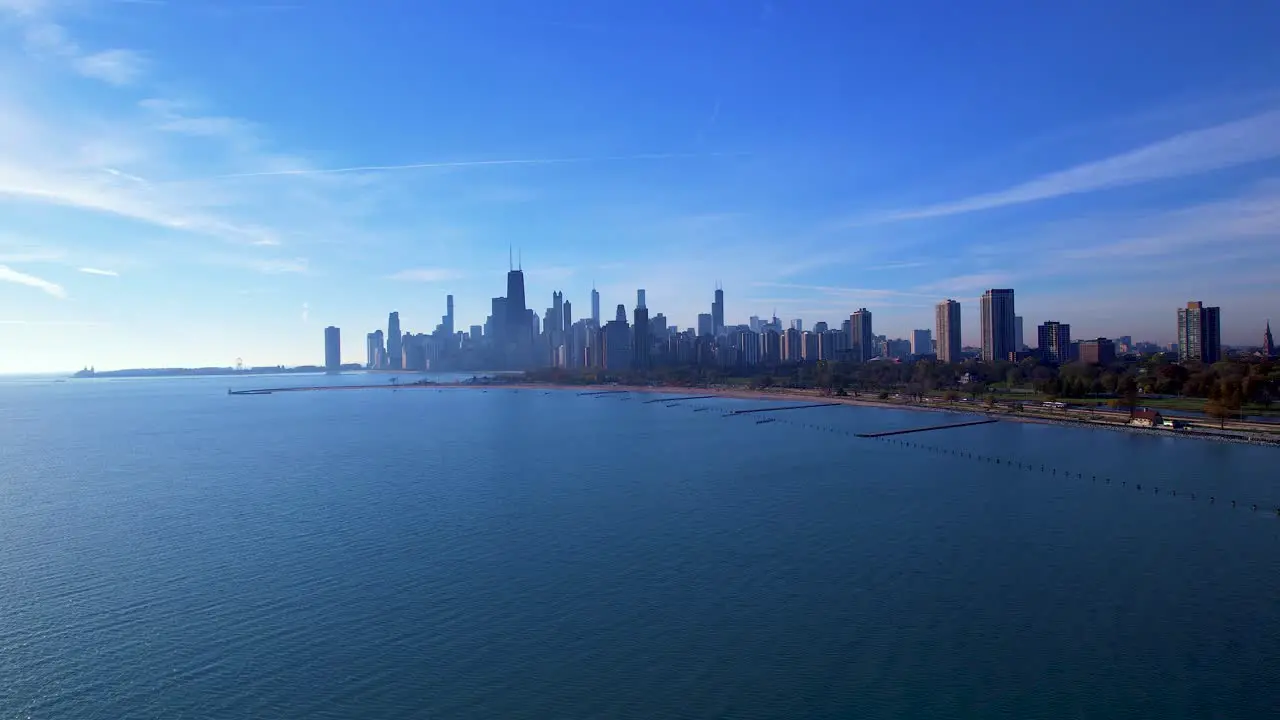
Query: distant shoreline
[[1242, 436]]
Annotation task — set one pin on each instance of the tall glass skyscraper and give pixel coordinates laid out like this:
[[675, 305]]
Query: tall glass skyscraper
[[999, 329]]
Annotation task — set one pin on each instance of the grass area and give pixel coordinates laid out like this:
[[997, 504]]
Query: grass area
[[1183, 403]]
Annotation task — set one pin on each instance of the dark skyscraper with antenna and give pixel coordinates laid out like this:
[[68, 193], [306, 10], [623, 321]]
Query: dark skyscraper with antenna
[[717, 312], [517, 312], [519, 321]]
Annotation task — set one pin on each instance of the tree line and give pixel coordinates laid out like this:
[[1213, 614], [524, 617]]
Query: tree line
[[1226, 385]]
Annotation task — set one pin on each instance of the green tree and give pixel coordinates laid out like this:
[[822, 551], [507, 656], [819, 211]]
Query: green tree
[[1218, 410], [1128, 390]]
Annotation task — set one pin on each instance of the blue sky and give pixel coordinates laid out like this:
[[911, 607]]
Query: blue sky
[[186, 182]]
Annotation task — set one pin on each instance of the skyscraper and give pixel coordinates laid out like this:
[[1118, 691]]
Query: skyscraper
[[497, 331], [1268, 344], [641, 342], [862, 339], [517, 310], [1200, 333], [519, 328], [616, 336], [595, 306], [395, 360], [921, 342], [374, 350], [717, 313], [640, 299], [947, 328], [1018, 344], [706, 325], [567, 336], [332, 349], [448, 316], [998, 332], [1054, 341]]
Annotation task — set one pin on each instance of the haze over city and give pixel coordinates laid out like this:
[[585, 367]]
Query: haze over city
[[186, 183]]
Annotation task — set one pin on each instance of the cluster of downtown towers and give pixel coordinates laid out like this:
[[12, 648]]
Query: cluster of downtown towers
[[515, 338]]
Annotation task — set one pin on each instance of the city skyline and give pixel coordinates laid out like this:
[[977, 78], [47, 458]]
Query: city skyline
[[515, 337], [146, 182]]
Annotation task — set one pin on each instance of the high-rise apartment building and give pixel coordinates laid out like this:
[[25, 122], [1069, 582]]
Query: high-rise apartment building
[[947, 328], [861, 337], [791, 346], [1054, 342], [996, 314], [332, 349], [1199, 333], [810, 346]]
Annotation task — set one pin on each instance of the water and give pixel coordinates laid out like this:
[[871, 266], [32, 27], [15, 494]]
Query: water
[[168, 551]]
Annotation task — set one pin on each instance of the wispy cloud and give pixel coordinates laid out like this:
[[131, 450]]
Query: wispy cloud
[[47, 39], [279, 266], [970, 283], [477, 163], [427, 275], [306, 312], [30, 255], [56, 323], [118, 67], [1230, 144], [8, 274], [1242, 224], [97, 271], [844, 292]]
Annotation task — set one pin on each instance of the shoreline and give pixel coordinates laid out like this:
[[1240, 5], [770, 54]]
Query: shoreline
[[1240, 436]]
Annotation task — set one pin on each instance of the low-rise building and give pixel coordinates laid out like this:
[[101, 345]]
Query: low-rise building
[[1146, 418]]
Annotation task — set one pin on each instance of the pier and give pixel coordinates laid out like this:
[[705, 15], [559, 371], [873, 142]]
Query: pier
[[678, 399], [887, 433], [780, 409]]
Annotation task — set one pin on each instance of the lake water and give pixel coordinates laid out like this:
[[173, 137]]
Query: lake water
[[169, 551]]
